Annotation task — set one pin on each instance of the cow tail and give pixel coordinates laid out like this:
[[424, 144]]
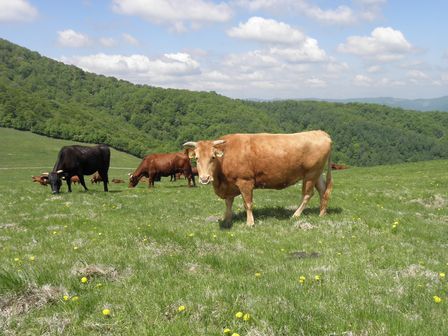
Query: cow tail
[[329, 180]]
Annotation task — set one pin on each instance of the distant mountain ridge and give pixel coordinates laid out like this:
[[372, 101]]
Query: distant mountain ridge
[[424, 105]]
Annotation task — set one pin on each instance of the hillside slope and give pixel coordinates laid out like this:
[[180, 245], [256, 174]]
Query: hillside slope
[[50, 98]]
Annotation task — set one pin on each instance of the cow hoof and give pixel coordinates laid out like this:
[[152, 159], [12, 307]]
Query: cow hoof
[[225, 225]]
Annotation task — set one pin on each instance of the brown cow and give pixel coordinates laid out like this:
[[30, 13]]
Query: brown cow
[[336, 166], [154, 166], [114, 180], [41, 179], [96, 178], [238, 163], [74, 179]]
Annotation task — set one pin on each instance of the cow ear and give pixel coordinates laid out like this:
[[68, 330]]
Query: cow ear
[[218, 153], [190, 153]]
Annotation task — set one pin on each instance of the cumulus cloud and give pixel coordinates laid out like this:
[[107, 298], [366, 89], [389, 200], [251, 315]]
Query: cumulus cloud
[[361, 10], [17, 10], [175, 12], [267, 30], [137, 68], [70, 38], [384, 44], [129, 39]]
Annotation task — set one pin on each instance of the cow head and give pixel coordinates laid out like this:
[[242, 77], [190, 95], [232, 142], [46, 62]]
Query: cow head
[[54, 179], [206, 154], [133, 180]]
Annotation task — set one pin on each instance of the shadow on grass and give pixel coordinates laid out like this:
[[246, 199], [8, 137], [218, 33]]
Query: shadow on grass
[[275, 212]]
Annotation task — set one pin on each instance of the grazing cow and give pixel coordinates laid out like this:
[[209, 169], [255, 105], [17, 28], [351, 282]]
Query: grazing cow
[[154, 166], [96, 178], [238, 163], [114, 180], [41, 179], [79, 161], [336, 166], [75, 179]]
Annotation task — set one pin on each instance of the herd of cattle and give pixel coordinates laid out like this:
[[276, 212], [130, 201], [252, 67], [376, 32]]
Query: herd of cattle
[[235, 164]]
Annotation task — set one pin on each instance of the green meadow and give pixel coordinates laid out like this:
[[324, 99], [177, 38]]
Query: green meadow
[[155, 261]]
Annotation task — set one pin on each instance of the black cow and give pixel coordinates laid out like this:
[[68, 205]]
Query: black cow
[[80, 161]]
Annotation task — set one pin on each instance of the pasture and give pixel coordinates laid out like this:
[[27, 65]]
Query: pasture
[[156, 262]]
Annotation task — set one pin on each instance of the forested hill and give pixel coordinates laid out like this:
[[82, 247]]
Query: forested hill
[[62, 101]]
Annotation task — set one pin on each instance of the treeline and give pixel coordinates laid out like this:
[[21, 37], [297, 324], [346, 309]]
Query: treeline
[[51, 98]]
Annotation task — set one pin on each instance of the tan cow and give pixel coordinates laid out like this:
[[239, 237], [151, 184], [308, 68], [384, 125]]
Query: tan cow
[[238, 163]]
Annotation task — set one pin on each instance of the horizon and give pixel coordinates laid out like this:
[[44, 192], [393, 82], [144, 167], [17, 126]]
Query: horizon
[[265, 50]]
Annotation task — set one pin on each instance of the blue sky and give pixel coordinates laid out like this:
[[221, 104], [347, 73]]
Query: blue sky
[[246, 49]]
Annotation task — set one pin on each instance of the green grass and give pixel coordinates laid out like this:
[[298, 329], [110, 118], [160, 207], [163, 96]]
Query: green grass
[[161, 248]]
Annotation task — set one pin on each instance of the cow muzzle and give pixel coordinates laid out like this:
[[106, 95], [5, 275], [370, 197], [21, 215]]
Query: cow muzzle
[[205, 179]]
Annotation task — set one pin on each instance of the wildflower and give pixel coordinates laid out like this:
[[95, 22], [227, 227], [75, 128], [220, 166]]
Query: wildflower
[[442, 275], [75, 298], [83, 279], [227, 331], [75, 247], [65, 297], [246, 317], [191, 235], [258, 274], [437, 299], [317, 277], [31, 258], [181, 309], [98, 285], [235, 334], [106, 312], [16, 259], [302, 279], [239, 315]]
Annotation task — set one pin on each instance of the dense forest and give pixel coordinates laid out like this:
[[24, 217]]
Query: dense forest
[[51, 98]]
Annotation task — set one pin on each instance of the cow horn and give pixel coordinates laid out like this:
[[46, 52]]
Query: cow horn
[[129, 174], [218, 142], [59, 171], [45, 174], [190, 144]]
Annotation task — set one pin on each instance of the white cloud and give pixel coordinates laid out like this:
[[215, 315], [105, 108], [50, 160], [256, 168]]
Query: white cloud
[[70, 38], [108, 42], [384, 44], [175, 12], [341, 15], [17, 10], [129, 39], [308, 51], [316, 82], [267, 31], [361, 80], [138, 68]]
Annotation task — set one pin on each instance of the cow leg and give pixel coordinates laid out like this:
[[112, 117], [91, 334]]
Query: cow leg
[[105, 178], [69, 184], [246, 189], [83, 183], [307, 193], [228, 215], [321, 186]]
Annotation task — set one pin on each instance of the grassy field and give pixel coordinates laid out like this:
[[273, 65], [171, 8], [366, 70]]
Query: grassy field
[[158, 263]]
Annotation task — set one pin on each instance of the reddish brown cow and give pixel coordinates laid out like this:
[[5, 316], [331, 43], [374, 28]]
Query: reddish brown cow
[[238, 163], [117, 180], [74, 179], [96, 178], [336, 166], [154, 166], [41, 179]]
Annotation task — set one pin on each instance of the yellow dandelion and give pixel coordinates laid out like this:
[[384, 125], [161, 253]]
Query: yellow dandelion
[[16, 259], [75, 247], [32, 258], [227, 331], [66, 297], [442, 275], [55, 232], [317, 277], [106, 312], [98, 285], [235, 334], [302, 279], [246, 317], [258, 274], [437, 299], [191, 235], [181, 309], [84, 280], [239, 315], [75, 298]]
